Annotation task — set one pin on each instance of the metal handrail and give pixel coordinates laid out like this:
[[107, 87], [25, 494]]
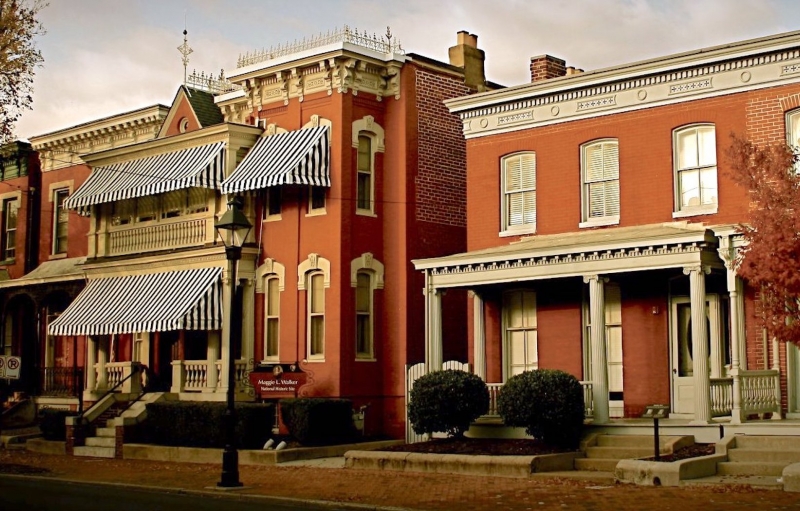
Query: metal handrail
[[135, 368]]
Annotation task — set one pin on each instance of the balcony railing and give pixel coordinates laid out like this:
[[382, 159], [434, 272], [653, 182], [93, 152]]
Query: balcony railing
[[164, 235]]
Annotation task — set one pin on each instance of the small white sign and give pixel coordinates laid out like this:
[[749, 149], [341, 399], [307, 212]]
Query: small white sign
[[10, 367]]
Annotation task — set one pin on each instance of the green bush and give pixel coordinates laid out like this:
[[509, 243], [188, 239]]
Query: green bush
[[447, 401], [199, 424], [547, 403], [319, 421], [53, 423]]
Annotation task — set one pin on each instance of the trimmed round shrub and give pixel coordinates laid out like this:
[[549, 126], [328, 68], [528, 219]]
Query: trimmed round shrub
[[547, 403], [447, 401]]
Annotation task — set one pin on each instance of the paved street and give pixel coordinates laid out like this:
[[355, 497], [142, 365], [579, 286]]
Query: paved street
[[389, 489]]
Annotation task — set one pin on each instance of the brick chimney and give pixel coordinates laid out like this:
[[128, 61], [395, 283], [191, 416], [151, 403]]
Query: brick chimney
[[465, 54], [545, 67]]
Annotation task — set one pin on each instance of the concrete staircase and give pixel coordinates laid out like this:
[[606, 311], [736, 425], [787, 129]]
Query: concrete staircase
[[603, 452], [760, 455]]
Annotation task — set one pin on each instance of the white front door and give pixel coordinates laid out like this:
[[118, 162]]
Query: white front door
[[683, 388]]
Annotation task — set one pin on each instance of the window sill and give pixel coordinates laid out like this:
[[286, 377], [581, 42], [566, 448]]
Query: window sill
[[710, 210], [62, 255], [315, 360], [366, 212], [599, 222], [366, 359], [317, 212], [271, 218], [518, 232], [270, 361]]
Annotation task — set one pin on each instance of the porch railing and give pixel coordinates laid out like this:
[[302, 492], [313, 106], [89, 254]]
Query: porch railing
[[111, 374], [193, 375], [721, 396], [760, 391], [62, 381], [588, 399], [494, 392]]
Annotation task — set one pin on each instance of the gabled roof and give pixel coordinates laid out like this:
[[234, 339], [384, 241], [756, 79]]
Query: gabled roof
[[208, 114]]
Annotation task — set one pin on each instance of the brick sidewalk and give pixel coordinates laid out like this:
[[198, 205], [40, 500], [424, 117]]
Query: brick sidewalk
[[404, 490]]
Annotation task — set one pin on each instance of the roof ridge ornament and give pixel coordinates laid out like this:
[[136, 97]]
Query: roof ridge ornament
[[185, 51]]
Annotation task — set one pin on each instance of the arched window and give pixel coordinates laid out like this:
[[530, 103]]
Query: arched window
[[518, 173], [314, 276], [366, 275], [270, 282], [368, 137], [793, 133], [695, 170]]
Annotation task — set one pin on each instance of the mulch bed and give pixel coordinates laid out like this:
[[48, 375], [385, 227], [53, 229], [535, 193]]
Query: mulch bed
[[487, 446], [692, 451]]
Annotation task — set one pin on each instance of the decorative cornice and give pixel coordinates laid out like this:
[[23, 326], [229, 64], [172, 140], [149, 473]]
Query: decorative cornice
[[725, 70]]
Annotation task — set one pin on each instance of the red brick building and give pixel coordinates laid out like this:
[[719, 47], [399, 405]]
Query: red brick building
[[601, 232], [349, 166]]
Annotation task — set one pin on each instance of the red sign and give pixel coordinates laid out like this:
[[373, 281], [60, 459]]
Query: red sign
[[278, 380]]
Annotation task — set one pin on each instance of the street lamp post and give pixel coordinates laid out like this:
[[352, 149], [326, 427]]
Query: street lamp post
[[233, 228]]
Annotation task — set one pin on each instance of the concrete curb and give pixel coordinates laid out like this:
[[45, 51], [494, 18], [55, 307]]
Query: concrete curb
[[501, 466], [656, 473], [246, 457]]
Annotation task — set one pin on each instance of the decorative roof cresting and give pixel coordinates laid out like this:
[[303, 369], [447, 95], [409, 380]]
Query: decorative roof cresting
[[384, 44]]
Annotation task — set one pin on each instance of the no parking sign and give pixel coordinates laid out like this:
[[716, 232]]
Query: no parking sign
[[9, 367]]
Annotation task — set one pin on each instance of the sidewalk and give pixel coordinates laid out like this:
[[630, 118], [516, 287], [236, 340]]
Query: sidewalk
[[380, 490]]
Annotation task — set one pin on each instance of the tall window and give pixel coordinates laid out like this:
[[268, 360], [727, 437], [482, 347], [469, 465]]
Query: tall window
[[600, 169], [364, 345], [271, 317], [519, 309], [272, 208], [793, 133], [316, 199], [696, 170], [519, 193], [316, 315], [9, 240], [365, 174], [60, 219]]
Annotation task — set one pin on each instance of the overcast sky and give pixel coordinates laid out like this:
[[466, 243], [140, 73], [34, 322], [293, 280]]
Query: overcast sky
[[104, 57]]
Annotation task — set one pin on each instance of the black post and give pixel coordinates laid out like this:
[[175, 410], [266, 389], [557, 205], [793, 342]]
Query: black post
[[655, 439], [230, 456]]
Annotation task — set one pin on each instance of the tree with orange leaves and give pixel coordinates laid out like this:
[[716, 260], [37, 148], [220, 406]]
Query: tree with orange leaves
[[770, 261]]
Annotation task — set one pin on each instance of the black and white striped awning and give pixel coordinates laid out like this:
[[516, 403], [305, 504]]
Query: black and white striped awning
[[202, 166], [299, 157], [155, 302]]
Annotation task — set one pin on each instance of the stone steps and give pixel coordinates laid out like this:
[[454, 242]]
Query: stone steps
[[100, 441], [744, 455], [596, 464], [750, 468], [632, 441], [94, 451], [604, 456]]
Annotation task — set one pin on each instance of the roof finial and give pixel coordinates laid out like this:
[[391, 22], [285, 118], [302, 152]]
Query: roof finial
[[185, 50]]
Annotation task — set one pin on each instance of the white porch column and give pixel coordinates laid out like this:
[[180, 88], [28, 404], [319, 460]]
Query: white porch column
[[597, 332], [91, 362], [776, 366], [248, 325], [102, 360], [212, 355], [702, 384], [479, 336], [433, 327], [222, 385]]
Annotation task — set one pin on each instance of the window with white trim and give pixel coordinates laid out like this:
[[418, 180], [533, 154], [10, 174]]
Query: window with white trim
[[60, 221], [695, 170], [364, 344], [365, 179], [271, 317], [519, 317], [9, 238], [793, 134], [519, 193], [600, 171], [316, 200], [164, 206], [316, 315]]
